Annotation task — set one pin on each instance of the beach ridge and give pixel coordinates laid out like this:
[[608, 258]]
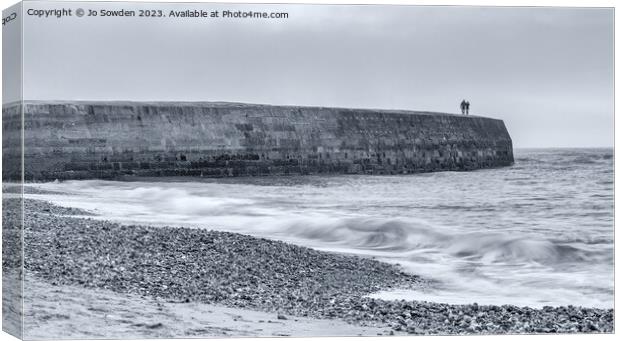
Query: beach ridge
[[194, 265]]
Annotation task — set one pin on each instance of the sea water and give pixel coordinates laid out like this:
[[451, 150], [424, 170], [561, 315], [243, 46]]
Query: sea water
[[534, 234]]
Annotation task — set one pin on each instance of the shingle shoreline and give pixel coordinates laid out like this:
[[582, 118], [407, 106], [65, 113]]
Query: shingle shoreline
[[183, 265]]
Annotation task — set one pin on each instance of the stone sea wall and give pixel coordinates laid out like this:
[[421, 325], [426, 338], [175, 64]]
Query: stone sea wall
[[12, 142], [80, 140]]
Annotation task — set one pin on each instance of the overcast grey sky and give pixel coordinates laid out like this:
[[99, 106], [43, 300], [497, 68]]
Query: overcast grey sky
[[547, 72]]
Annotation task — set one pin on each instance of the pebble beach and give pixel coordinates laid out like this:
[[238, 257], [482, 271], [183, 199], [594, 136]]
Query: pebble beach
[[189, 266]]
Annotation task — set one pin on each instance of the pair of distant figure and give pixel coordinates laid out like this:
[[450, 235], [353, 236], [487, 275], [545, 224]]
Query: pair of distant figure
[[465, 107]]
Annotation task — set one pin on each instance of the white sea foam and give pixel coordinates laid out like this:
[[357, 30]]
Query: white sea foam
[[539, 233]]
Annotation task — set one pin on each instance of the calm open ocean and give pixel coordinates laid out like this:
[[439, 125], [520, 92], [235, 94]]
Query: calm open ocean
[[537, 233]]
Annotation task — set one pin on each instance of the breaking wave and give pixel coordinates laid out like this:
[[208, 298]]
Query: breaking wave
[[400, 236]]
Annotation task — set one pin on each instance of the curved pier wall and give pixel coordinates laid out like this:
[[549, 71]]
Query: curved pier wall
[[12, 142], [81, 140]]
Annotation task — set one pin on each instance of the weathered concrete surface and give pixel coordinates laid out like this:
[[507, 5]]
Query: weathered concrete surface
[[78, 140]]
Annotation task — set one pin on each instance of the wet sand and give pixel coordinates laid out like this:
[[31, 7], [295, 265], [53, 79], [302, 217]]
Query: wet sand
[[70, 312]]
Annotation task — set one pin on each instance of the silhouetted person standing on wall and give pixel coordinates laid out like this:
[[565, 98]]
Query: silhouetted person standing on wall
[[467, 108], [463, 104]]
